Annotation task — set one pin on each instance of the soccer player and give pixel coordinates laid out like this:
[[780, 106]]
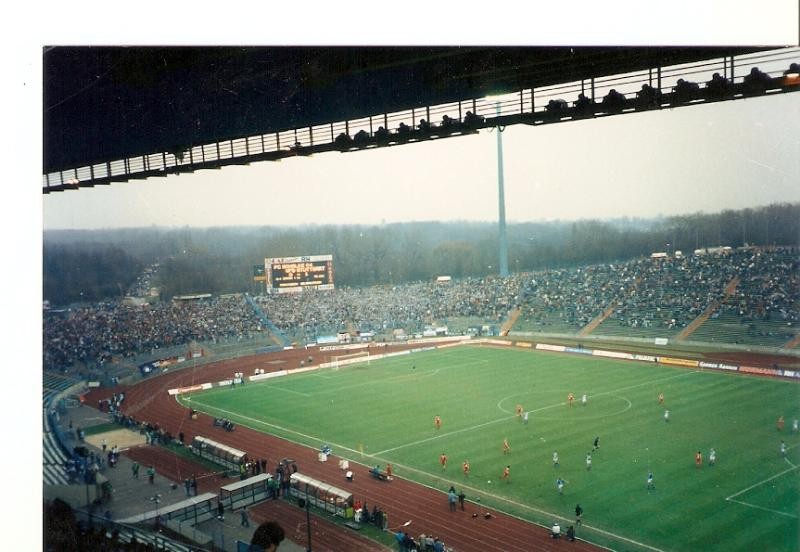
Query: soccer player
[[650, 484], [779, 423], [596, 444], [443, 460], [506, 474], [712, 457], [795, 425], [666, 415], [588, 461], [506, 446], [570, 398], [783, 448], [661, 398], [437, 422], [555, 459], [519, 411], [560, 485], [525, 417], [465, 468], [698, 459], [584, 400], [578, 514]]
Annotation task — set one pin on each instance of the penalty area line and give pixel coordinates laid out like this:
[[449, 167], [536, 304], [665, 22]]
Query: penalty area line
[[770, 510]]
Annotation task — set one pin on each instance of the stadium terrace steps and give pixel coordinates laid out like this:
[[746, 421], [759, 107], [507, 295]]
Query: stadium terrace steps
[[791, 344], [730, 289], [510, 321], [591, 326]]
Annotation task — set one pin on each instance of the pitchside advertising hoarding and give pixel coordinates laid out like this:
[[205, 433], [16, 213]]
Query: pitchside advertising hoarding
[[293, 274]]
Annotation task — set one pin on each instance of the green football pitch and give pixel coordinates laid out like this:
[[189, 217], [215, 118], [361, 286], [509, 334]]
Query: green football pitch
[[383, 411]]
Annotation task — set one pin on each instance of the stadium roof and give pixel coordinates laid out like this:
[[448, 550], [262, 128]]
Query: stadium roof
[[104, 103]]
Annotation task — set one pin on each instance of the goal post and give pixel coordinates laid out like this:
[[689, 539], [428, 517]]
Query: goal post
[[350, 358]]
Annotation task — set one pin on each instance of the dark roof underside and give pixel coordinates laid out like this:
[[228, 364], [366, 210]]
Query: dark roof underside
[[104, 103]]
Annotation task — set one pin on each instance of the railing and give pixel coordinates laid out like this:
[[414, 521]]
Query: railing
[[543, 105]]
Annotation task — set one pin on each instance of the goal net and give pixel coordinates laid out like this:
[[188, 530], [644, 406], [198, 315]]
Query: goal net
[[351, 358]]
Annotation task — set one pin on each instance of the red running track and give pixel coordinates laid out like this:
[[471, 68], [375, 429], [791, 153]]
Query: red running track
[[400, 499]]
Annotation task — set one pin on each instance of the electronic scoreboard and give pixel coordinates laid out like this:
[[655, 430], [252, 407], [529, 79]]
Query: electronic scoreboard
[[291, 274]]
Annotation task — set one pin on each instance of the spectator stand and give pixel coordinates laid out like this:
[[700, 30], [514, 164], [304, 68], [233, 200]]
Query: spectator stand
[[55, 448], [322, 495], [281, 338]]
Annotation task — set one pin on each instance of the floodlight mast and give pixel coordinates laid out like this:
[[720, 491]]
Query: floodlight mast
[[501, 195]]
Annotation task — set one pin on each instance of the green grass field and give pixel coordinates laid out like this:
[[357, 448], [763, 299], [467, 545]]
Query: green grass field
[[750, 500]]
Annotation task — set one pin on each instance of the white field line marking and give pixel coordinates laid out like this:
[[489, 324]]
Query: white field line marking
[[611, 392], [749, 505], [478, 492], [276, 426], [767, 480], [401, 377], [279, 388], [376, 457], [556, 405]]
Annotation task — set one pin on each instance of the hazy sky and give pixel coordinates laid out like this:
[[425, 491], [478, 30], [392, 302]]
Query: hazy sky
[[729, 155]]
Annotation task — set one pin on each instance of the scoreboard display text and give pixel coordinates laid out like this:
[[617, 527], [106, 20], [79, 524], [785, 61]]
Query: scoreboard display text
[[289, 274]]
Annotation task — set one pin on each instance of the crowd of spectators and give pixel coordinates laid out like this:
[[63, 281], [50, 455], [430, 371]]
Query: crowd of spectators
[[769, 286], [667, 293], [663, 294], [381, 309], [95, 334]]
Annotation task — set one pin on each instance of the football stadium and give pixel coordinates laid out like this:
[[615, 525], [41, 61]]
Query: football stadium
[[454, 387]]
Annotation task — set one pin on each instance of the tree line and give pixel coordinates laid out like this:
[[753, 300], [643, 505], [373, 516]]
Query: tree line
[[96, 265]]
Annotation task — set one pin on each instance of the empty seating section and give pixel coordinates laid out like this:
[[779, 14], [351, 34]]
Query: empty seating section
[[54, 458]]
